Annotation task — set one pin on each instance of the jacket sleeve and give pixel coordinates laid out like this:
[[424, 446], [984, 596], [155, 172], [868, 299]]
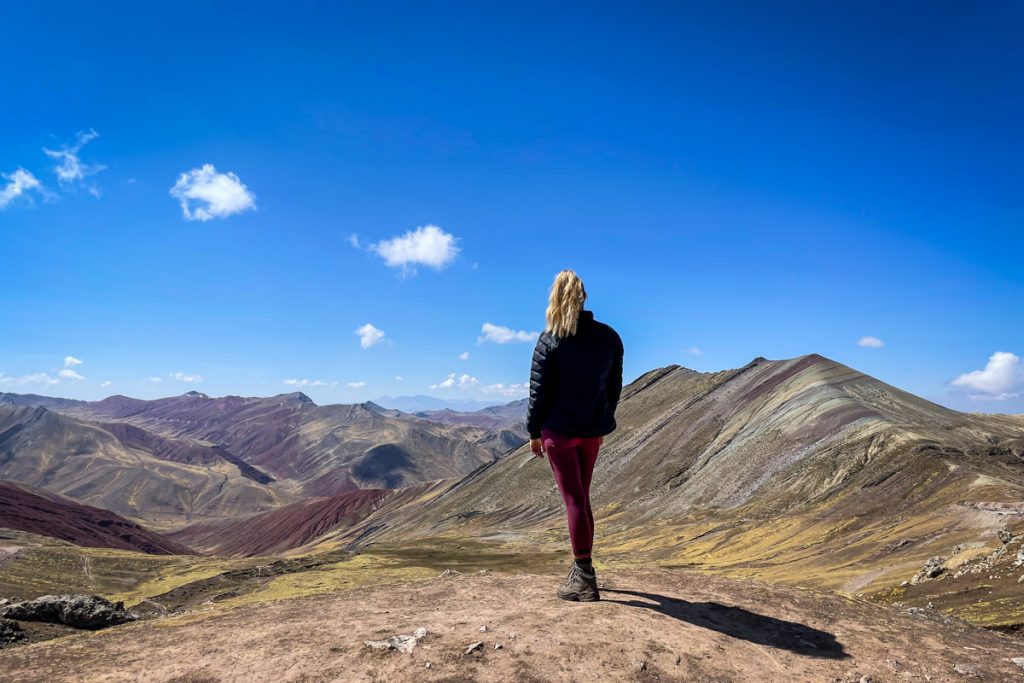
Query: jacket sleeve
[[540, 381], [615, 375]]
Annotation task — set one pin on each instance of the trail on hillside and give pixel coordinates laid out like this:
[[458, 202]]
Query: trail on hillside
[[652, 624]]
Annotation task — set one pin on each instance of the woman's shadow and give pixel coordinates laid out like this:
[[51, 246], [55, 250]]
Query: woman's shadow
[[740, 623]]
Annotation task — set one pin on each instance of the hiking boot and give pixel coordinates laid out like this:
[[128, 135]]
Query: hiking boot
[[579, 587]]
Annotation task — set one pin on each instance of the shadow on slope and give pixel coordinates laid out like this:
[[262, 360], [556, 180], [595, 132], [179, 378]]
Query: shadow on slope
[[737, 622]]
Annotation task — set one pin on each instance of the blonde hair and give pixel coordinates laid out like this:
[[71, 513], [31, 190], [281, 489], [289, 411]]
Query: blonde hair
[[565, 302]]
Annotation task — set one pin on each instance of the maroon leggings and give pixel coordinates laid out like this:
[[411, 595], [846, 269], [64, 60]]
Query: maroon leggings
[[572, 460]]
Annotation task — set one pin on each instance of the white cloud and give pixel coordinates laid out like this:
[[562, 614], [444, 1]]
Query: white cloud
[[71, 169], [509, 390], [156, 380], [353, 239], [18, 184], [369, 335], [1002, 378], [463, 382], [71, 361], [464, 355], [427, 245], [40, 378], [357, 385], [106, 383], [182, 377], [399, 378], [68, 373], [204, 194], [694, 351], [870, 342], [499, 334], [305, 383]]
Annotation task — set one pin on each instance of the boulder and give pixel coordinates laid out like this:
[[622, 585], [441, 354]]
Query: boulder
[[932, 568], [78, 611], [10, 631]]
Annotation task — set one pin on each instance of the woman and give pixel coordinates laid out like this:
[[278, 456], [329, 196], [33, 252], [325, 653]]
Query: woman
[[575, 383]]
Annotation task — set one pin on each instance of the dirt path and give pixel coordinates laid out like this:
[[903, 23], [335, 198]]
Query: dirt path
[[656, 624]]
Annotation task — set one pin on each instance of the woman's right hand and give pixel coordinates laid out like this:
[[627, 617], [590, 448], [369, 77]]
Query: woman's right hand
[[537, 446]]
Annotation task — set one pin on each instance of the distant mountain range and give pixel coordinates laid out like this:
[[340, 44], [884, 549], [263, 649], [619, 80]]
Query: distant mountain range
[[420, 402], [170, 460]]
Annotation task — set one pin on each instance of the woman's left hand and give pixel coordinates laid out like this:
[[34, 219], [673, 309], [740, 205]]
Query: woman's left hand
[[537, 446]]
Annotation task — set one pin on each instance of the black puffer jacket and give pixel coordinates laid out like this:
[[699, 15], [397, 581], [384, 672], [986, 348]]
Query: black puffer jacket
[[575, 381]]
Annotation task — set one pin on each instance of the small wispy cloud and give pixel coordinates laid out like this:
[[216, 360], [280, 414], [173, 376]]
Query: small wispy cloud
[[508, 390], [499, 334], [464, 355], [71, 361], [1001, 379], [105, 383], [694, 351], [369, 335], [182, 377], [462, 382], [357, 385], [305, 383], [204, 193], [36, 378], [399, 378], [353, 239], [156, 380], [427, 245], [870, 342], [18, 184], [68, 373], [71, 170]]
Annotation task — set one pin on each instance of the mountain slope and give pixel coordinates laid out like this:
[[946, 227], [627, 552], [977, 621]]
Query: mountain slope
[[40, 512], [136, 474], [797, 471], [295, 525]]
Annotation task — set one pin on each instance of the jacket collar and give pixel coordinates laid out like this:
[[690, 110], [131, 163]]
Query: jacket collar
[[586, 315]]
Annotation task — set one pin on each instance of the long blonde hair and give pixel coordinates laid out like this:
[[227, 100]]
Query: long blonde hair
[[565, 302]]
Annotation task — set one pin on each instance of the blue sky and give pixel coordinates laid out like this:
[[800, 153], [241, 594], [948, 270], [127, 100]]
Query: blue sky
[[731, 180]]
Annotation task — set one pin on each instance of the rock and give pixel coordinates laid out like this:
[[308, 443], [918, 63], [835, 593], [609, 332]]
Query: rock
[[497, 646], [401, 643], [473, 646], [483, 629], [450, 572], [1020, 557], [642, 666], [932, 568], [78, 611], [1019, 661], [968, 670], [1004, 536], [10, 631], [866, 679], [428, 665]]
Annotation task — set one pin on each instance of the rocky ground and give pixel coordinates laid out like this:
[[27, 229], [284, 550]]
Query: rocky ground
[[652, 625]]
